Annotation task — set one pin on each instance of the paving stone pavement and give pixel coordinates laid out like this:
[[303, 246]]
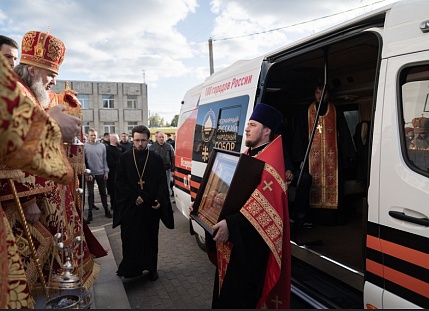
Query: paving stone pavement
[[185, 273]]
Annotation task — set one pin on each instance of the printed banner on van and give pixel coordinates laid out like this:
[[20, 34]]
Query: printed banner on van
[[221, 125]]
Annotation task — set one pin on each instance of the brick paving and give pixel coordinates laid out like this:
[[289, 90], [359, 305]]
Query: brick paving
[[185, 273]]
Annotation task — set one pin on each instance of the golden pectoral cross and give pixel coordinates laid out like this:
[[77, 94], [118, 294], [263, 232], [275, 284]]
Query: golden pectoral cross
[[319, 127], [141, 183]]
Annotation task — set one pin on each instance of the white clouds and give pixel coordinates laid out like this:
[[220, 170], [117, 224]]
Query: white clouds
[[240, 18], [114, 40]]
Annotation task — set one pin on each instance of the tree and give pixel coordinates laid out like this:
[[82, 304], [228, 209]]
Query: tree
[[175, 120], [156, 121]]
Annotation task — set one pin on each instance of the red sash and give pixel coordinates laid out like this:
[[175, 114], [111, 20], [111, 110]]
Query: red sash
[[323, 159], [267, 211]]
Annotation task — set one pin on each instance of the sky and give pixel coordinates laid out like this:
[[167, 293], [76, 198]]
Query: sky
[[165, 43]]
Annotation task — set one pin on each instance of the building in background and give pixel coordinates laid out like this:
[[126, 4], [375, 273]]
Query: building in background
[[113, 107], [170, 132]]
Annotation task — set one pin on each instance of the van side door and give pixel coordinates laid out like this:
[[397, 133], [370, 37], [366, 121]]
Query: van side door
[[402, 266]]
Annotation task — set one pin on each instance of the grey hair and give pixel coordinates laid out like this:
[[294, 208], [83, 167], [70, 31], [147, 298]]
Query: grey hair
[[22, 71]]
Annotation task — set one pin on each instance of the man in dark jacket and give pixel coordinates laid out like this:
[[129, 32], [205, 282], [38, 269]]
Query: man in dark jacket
[[125, 142], [166, 152], [113, 153]]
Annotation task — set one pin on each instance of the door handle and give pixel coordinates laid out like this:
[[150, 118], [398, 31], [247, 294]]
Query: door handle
[[402, 216]]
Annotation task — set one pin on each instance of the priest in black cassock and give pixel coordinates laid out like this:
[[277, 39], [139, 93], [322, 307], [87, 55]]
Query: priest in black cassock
[[253, 245], [142, 195]]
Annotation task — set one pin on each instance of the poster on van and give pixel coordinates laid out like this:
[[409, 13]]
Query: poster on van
[[219, 125]]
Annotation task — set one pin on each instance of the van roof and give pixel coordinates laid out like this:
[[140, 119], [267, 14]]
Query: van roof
[[363, 19], [401, 29]]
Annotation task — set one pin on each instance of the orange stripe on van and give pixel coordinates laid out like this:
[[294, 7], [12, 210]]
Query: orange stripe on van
[[405, 253], [195, 184], [179, 174], [407, 281], [373, 242], [374, 267], [180, 184]]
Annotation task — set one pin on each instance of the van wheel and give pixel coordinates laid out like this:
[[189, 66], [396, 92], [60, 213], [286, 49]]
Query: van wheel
[[201, 241]]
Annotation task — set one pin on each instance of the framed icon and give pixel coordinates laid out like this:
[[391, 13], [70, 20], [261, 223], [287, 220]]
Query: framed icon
[[228, 181]]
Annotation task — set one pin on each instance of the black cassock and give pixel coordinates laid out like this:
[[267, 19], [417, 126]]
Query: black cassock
[[244, 279], [113, 154], [139, 224]]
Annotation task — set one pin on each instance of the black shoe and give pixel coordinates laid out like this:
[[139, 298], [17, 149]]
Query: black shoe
[[129, 276], [89, 219], [153, 276], [95, 207], [108, 214]]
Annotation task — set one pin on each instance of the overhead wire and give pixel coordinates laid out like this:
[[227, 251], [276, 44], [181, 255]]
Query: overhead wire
[[297, 24]]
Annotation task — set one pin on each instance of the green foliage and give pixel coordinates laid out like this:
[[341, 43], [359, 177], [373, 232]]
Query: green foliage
[[175, 120], [156, 121]]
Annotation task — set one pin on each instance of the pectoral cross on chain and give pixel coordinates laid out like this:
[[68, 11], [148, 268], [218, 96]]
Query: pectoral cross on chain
[[319, 127], [141, 183]]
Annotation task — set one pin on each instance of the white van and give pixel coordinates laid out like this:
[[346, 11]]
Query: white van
[[377, 67]]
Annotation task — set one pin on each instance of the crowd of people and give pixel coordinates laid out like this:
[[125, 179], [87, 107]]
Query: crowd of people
[[136, 175], [39, 174], [43, 163], [102, 162]]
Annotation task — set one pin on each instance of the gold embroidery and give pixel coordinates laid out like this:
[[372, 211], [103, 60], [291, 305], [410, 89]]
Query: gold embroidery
[[271, 228], [38, 50], [55, 49], [31, 141], [263, 219], [276, 176], [272, 231], [28, 40], [19, 295]]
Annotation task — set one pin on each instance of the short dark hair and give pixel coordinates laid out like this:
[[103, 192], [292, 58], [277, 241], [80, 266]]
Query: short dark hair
[[141, 129], [105, 134], [8, 41]]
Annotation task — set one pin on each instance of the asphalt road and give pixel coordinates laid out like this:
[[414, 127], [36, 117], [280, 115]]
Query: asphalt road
[[186, 275]]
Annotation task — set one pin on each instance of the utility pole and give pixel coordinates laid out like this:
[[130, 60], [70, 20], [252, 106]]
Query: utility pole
[[211, 55]]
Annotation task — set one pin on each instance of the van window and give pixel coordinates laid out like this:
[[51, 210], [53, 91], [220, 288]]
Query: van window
[[219, 125], [414, 82]]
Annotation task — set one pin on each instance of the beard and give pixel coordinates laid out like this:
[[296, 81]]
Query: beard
[[249, 143], [40, 92]]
